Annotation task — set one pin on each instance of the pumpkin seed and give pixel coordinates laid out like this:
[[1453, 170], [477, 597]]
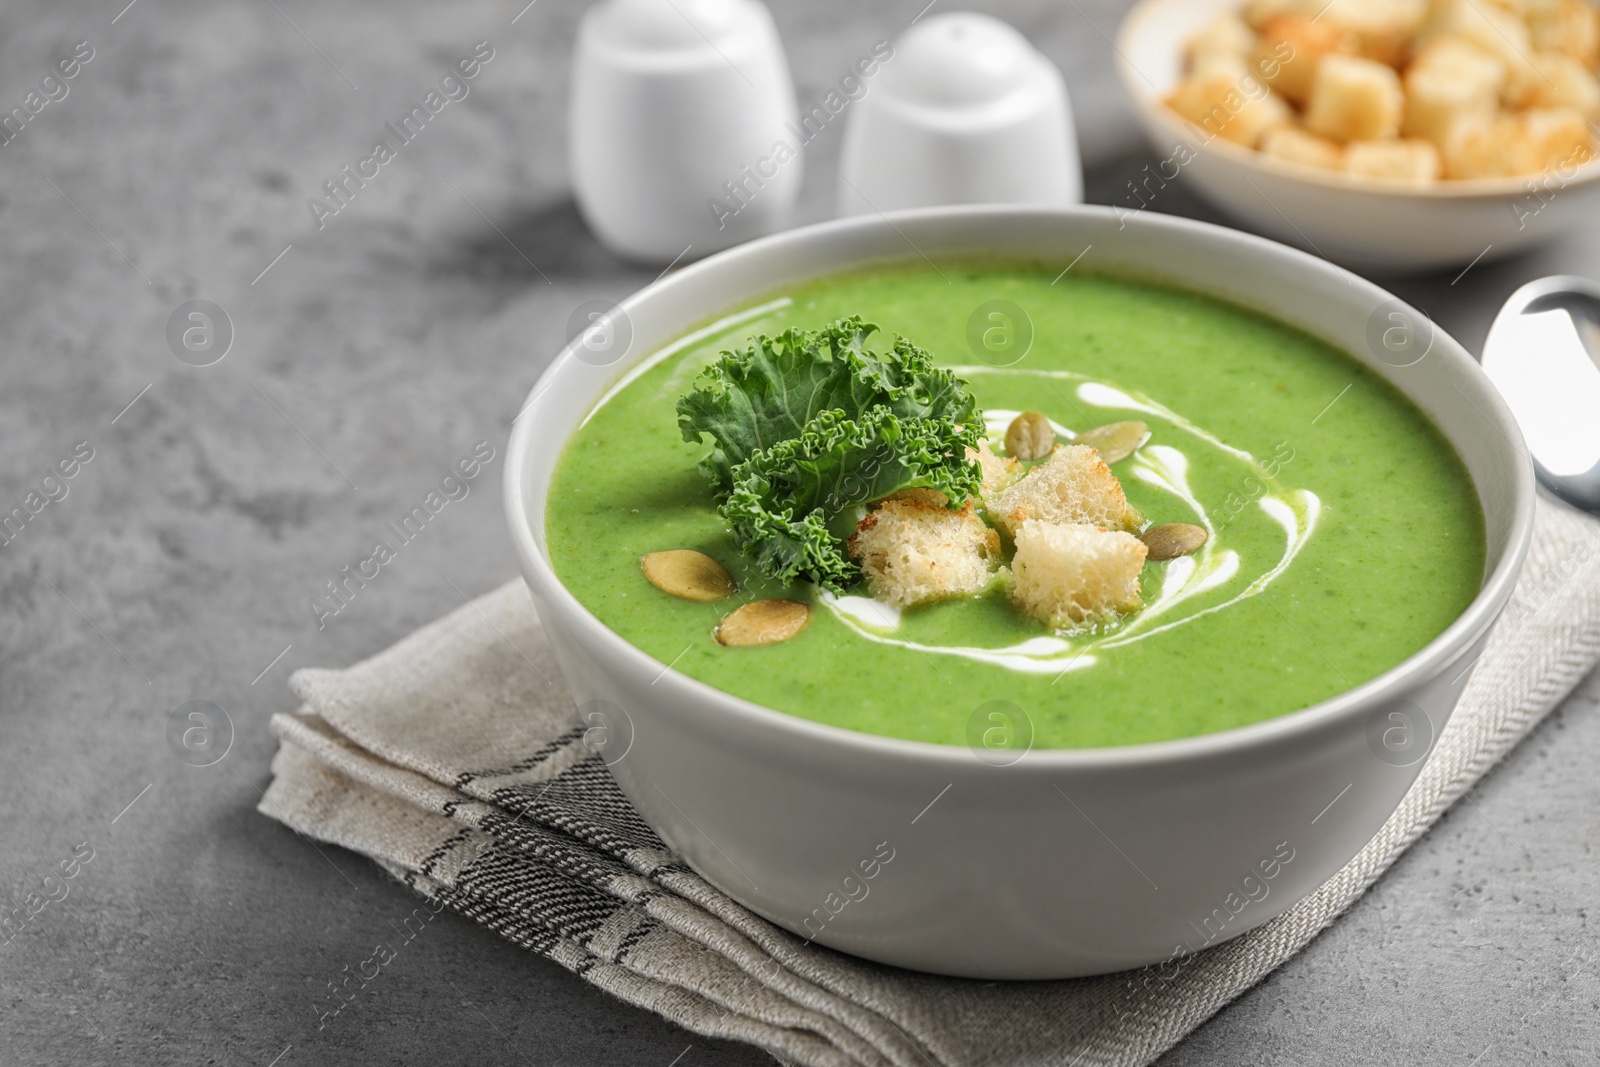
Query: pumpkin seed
[[1115, 440], [685, 573], [1030, 436], [763, 622], [1173, 539]]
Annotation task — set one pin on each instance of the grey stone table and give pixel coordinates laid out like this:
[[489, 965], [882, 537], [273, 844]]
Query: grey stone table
[[367, 356]]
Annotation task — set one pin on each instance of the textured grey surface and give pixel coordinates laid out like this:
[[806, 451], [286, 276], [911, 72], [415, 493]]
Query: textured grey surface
[[368, 358]]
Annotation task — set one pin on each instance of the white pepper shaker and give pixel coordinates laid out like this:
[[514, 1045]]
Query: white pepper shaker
[[966, 112], [677, 139]]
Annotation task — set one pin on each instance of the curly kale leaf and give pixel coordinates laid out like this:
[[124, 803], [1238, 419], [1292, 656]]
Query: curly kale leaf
[[785, 499], [756, 398]]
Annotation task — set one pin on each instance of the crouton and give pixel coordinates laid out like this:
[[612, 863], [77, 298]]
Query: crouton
[[1555, 79], [914, 551], [1412, 162], [1493, 29], [998, 472], [1211, 66], [1383, 29], [1550, 139], [1527, 143], [1307, 149], [1476, 148], [1449, 81], [1068, 575], [1225, 36], [1355, 100], [1073, 485], [1291, 48], [1224, 106], [1570, 26], [1257, 13], [1462, 58]]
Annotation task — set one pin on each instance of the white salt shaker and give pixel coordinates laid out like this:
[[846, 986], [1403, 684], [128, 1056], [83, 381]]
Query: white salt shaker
[[676, 133], [967, 111]]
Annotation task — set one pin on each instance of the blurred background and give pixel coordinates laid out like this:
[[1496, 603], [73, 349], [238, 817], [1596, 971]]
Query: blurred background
[[365, 353]]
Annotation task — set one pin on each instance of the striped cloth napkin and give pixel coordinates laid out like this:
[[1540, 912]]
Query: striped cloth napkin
[[456, 760]]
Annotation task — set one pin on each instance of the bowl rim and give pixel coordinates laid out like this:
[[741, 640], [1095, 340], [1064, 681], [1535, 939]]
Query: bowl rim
[[1135, 85], [1429, 660]]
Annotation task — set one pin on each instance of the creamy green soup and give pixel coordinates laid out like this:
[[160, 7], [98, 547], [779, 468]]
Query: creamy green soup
[[1345, 532]]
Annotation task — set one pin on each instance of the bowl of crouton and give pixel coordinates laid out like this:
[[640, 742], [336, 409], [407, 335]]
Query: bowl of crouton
[[1386, 135]]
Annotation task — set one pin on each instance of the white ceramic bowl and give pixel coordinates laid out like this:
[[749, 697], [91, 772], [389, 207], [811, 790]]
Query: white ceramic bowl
[[1067, 862], [1362, 224]]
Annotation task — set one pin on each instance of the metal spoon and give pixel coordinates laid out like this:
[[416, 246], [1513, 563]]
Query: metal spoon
[[1543, 354]]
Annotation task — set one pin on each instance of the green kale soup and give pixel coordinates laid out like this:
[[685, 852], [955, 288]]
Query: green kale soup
[[1342, 532]]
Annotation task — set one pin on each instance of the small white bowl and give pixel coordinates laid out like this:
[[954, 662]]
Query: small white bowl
[[993, 872], [1362, 224]]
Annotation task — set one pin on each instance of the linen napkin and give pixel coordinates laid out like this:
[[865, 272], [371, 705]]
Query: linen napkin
[[456, 760]]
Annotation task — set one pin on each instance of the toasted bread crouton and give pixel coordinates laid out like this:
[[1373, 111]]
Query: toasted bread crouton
[[1451, 80], [1224, 106], [1555, 79], [1257, 13], [914, 551], [1307, 149], [1531, 142], [1073, 485], [1292, 47], [1462, 58], [1413, 162], [1355, 100], [1570, 26], [1477, 147], [1067, 574], [1209, 66], [1224, 37], [1550, 139], [1383, 28], [1497, 31], [998, 473]]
